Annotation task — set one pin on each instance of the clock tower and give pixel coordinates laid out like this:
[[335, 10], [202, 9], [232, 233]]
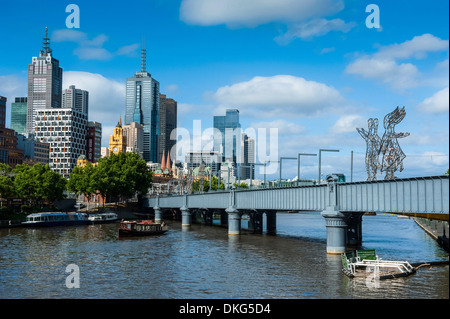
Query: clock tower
[[117, 141]]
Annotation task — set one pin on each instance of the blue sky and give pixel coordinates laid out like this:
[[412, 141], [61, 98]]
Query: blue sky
[[311, 69]]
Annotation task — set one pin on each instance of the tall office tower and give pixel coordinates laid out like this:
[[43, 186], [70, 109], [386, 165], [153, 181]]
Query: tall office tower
[[19, 115], [65, 131], [44, 83], [142, 106], [135, 137], [168, 122], [9, 153], [93, 141], [77, 99], [227, 135], [247, 157]]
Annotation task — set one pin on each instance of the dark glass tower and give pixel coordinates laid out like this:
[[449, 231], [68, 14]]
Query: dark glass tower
[[227, 135]]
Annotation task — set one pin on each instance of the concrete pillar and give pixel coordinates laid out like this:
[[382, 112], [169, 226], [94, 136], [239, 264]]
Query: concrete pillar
[[271, 222], [223, 218], [158, 214], [336, 231], [354, 228], [186, 218], [255, 223], [234, 221]]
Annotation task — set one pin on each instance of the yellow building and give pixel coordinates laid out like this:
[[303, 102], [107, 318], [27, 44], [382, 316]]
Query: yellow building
[[117, 141]]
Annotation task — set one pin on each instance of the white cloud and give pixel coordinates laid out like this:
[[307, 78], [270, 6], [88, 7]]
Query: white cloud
[[280, 95], [348, 124], [250, 13], [314, 28], [106, 98], [384, 66], [438, 103]]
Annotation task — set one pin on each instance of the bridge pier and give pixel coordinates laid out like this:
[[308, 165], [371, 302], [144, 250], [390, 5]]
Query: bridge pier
[[234, 221], [271, 217], [255, 223], [158, 214], [186, 217], [336, 231], [354, 228]]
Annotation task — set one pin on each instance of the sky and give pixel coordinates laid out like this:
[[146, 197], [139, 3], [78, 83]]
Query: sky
[[311, 70]]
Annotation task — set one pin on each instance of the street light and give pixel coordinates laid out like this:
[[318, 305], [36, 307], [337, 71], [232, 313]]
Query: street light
[[320, 160], [281, 163], [298, 163]]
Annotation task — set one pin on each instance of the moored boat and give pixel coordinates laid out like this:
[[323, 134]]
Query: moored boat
[[141, 228], [47, 219], [103, 218]]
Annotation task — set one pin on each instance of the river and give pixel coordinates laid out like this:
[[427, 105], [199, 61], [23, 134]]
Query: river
[[205, 263]]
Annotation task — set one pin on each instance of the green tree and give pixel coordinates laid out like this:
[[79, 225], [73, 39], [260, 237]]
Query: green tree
[[81, 181], [6, 182]]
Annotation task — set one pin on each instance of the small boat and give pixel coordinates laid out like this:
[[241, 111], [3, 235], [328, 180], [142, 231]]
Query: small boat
[[103, 218], [48, 219], [141, 228]]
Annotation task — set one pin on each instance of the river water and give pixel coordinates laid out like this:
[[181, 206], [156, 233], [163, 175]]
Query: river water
[[205, 263]]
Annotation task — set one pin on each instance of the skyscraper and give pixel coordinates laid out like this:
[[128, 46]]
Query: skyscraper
[[19, 115], [9, 153], [44, 83], [93, 141], [227, 135], [135, 137], [247, 157], [168, 122], [77, 99], [142, 107]]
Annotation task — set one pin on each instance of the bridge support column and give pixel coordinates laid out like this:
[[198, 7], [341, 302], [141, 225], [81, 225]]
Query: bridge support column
[[255, 223], [234, 221], [336, 231], [158, 214], [271, 222], [354, 228], [186, 217]]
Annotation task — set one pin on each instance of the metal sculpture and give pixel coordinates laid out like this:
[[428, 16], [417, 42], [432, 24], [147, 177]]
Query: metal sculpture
[[384, 154]]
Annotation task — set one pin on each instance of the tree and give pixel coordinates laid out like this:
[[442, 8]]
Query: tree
[[81, 181], [6, 182]]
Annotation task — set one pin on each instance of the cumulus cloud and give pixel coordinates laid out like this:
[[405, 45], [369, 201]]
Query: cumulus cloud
[[438, 103], [384, 66], [280, 95], [348, 124], [250, 13], [106, 98]]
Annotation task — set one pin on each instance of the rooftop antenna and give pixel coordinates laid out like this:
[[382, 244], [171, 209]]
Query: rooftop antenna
[[143, 56], [46, 43]]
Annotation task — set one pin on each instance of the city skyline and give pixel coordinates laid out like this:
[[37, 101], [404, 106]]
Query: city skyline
[[314, 72]]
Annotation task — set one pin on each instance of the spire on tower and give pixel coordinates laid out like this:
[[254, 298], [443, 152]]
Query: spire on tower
[[46, 43], [143, 57]]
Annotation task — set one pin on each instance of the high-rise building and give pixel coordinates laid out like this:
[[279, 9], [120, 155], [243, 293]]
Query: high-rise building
[[33, 150], [208, 158], [247, 157], [19, 115], [44, 83], [65, 131], [77, 99], [142, 106], [93, 141], [227, 135], [135, 137], [9, 153], [168, 122]]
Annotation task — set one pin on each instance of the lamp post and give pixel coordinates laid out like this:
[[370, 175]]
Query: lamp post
[[298, 163], [320, 160], [281, 163]]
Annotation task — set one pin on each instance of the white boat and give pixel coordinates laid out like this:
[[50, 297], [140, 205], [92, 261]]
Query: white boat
[[47, 219], [103, 218]]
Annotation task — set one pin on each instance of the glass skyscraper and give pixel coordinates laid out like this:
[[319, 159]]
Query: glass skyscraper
[[227, 135], [142, 107], [19, 115]]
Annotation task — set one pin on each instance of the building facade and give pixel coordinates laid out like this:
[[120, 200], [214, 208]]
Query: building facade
[[142, 106], [65, 130], [246, 170], [227, 135], [135, 138], [19, 115], [210, 159], [34, 151], [168, 122], [117, 141], [93, 141], [77, 99], [44, 84], [9, 153]]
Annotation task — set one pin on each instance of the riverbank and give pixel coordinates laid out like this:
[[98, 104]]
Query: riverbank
[[438, 230]]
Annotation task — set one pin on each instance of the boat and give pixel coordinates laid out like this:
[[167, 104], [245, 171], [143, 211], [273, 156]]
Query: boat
[[103, 218], [47, 219], [364, 263], [141, 228]]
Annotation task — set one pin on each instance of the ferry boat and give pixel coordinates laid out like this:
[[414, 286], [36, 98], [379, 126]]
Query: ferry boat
[[103, 218], [47, 219], [141, 228]]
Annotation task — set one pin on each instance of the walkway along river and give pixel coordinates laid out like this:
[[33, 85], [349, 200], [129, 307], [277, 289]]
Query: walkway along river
[[204, 262]]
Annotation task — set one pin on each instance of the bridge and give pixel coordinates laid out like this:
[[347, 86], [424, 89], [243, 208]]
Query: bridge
[[342, 205]]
